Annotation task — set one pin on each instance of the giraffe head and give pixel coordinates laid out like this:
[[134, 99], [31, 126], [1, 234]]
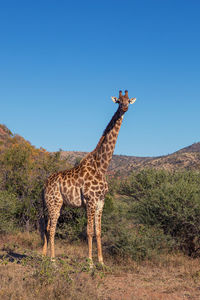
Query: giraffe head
[[123, 101]]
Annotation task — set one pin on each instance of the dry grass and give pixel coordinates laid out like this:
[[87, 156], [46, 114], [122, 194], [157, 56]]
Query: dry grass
[[24, 274]]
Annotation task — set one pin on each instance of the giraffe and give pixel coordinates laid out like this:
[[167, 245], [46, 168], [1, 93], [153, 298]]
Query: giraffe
[[85, 184]]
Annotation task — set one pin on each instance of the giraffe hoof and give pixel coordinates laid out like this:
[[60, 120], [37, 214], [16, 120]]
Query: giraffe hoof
[[54, 263], [53, 260], [90, 263], [102, 266]]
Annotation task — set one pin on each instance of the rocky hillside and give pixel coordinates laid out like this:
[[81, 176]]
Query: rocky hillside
[[192, 148], [5, 135], [7, 138], [187, 158]]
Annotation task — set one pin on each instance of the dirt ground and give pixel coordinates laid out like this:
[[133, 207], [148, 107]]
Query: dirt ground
[[24, 274]]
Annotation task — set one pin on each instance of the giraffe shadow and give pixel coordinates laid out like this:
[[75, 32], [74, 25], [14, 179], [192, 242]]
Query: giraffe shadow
[[11, 256]]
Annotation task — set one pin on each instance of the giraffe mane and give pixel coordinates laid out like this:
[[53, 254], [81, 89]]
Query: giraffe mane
[[91, 153]]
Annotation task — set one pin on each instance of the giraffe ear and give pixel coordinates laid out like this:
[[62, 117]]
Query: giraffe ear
[[115, 99], [132, 100]]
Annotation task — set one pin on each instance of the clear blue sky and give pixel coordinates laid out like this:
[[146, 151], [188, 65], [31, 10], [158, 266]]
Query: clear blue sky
[[61, 61]]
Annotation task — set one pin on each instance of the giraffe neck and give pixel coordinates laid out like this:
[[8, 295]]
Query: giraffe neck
[[106, 145]]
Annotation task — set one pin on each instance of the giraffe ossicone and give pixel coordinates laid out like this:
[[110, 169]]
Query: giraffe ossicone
[[85, 184]]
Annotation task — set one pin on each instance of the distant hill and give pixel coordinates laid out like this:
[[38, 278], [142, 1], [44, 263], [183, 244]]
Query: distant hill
[[192, 148], [187, 158], [5, 135], [7, 138]]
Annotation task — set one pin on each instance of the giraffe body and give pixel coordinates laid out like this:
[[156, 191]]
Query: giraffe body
[[85, 184]]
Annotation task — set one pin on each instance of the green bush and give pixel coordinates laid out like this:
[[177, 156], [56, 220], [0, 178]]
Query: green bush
[[72, 224], [9, 209], [174, 206], [139, 184], [108, 204], [123, 239], [139, 243], [24, 170]]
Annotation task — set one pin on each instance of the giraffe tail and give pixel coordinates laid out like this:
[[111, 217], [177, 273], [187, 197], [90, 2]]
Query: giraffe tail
[[44, 224]]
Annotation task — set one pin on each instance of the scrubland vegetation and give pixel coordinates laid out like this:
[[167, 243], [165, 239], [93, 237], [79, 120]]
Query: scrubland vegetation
[[150, 234]]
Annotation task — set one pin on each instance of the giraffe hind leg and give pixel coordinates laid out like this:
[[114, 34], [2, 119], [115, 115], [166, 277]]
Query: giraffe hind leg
[[52, 232], [46, 238], [53, 204], [90, 230]]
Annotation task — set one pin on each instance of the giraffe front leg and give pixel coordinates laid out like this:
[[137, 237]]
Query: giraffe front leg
[[90, 229], [98, 215]]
